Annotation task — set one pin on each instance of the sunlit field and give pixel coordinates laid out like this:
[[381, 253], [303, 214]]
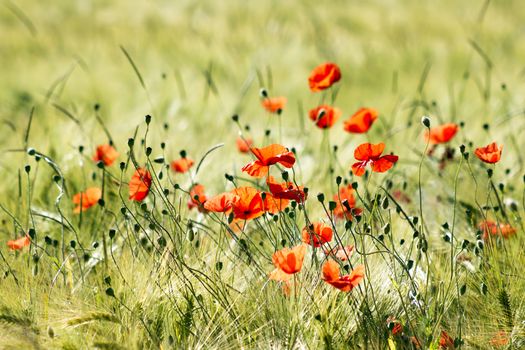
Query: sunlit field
[[262, 174]]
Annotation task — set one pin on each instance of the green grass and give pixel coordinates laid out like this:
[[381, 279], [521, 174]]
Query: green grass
[[191, 66]]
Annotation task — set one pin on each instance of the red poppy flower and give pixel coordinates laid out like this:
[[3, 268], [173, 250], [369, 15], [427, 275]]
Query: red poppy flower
[[401, 196], [274, 205], [243, 145], [361, 121], [325, 116], [397, 326], [267, 156], [197, 197], [286, 190], [288, 260], [139, 184], [331, 275], [222, 202], [446, 341], [317, 234], [87, 199], [19, 243], [324, 76], [368, 153], [442, 134], [182, 165], [492, 228], [106, 154], [249, 205], [490, 153], [274, 104], [341, 253], [345, 203]]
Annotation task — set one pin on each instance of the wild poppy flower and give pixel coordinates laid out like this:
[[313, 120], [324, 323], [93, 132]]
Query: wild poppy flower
[[324, 76], [288, 260], [274, 104], [341, 253], [19, 243], [182, 165], [500, 339], [442, 134], [286, 190], [244, 144], [317, 234], [361, 121], [249, 205], [267, 156], [139, 184], [492, 228], [221, 203], [446, 341], [368, 153], [272, 204], [325, 116], [106, 154], [401, 196], [490, 153], [197, 197], [346, 283], [345, 203], [87, 199]]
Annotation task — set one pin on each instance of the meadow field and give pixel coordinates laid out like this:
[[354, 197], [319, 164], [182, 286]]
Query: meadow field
[[262, 174]]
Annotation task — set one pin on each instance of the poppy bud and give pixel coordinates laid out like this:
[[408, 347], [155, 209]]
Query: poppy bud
[[332, 205], [354, 185], [425, 121], [96, 107], [462, 149], [50, 332], [489, 173], [56, 178], [336, 148], [320, 197], [73, 244], [148, 151], [263, 93], [31, 151], [401, 241], [263, 195], [101, 202], [163, 145], [32, 233], [348, 225], [122, 165], [166, 126], [464, 244], [37, 158], [147, 118], [110, 292], [484, 288], [284, 174], [338, 180], [182, 154], [100, 165], [27, 168], [267, 132], [112, 233], [321, 113], [235, 118], [486, 126], [95, 245], [159, 160]]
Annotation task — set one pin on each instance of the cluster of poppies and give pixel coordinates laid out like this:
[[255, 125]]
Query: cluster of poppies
[[247, 203]]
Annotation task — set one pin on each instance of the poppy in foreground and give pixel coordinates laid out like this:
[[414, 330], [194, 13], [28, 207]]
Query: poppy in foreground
[[19, 243], [197, 197], [274, 104], [442, 134], [317, 234], [446, 341], [87, 199], [267, 156], [221, 203], [286, 190], [324, 76], [287, 262], [325, 116], [182, 165], [492, 228], [345, 203], [243, 145], [249, 205], [106, 154], [368, 153], [361, 121], [139, 184], [489, 154], [346, 283]]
